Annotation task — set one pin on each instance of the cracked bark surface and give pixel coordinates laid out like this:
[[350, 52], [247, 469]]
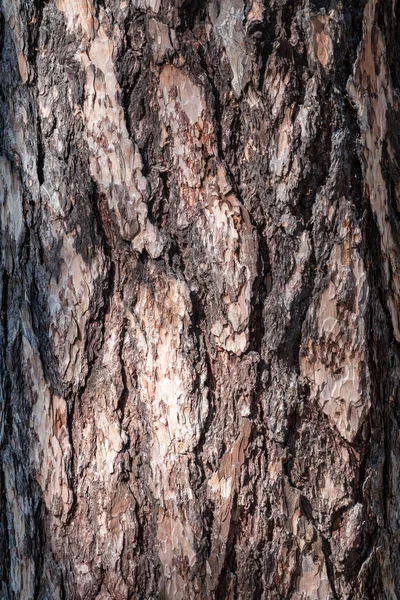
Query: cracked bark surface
[[200, 295]]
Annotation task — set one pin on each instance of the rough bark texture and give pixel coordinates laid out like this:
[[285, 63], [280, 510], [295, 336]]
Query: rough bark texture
[[200, 295]]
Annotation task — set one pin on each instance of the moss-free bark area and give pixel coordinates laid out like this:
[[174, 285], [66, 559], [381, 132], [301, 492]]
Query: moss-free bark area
[[200, 296]]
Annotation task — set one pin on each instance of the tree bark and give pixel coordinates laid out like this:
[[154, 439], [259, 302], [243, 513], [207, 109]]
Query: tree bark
[[200, 295]]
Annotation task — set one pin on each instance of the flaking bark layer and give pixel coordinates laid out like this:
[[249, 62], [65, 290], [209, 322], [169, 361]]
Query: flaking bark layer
[[200, 296]]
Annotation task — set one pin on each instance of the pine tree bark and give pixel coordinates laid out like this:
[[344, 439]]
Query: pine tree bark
[[200, 295]]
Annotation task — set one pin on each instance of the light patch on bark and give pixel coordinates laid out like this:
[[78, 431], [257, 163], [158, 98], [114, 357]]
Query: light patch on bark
[[275, 86], [222, 489], [115, 161], [99, 442], [10, 200], [11, 11], [347, 532], [50, 447], [177, 411], [323, 46], [312, 580], [153, 5], [79, 14], [228, 239], [295, 130], [284, 143], [22, 568], [302, 258], [256, 13], [371, 90], [23, 67], [178, 89], [335, 361], [223, 224], [109, 441], [163, 40], [182, 113], [20, 121], [69, 297], [227, 20]]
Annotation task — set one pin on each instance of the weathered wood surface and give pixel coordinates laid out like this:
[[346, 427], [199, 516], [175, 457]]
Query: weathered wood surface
[[200, 295]]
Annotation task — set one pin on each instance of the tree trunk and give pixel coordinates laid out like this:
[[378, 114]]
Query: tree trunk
[[200, 296]]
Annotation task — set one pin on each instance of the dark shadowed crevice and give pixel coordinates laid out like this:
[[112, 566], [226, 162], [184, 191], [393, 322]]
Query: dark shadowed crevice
[[124, 395], [198, 318], [40, 154], [262, 35], [192, 13]]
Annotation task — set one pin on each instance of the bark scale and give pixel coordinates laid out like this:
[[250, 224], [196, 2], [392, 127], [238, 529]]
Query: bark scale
[[200, 295]]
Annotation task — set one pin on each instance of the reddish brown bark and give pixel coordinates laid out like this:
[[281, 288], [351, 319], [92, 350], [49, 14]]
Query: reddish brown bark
[[199, 332]]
